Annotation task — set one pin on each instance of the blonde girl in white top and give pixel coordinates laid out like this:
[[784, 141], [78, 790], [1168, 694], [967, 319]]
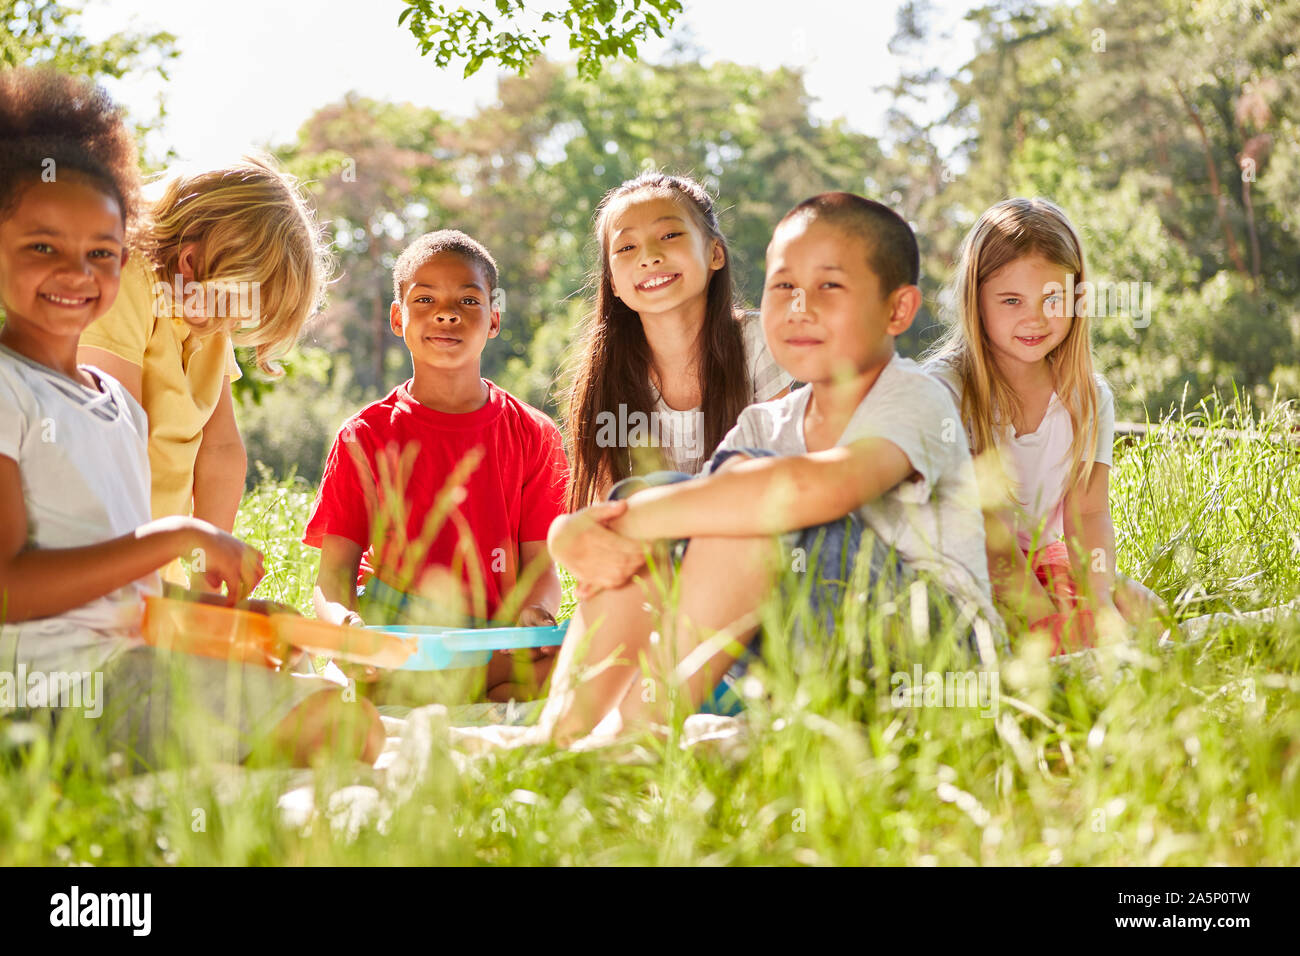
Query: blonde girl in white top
[[1018, 360]]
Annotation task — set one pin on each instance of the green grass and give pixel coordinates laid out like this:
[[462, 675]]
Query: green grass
[[1190, 756]]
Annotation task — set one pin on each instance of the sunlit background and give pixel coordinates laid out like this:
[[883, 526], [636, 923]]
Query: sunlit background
[[251, 71]]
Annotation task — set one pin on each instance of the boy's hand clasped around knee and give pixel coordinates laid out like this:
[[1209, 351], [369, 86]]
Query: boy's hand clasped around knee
[[597, 556]]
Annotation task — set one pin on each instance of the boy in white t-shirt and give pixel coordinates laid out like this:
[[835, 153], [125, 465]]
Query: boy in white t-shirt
[[871, 444]]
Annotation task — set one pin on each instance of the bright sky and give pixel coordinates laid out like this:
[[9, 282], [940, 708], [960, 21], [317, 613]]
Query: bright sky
[[251, 71]]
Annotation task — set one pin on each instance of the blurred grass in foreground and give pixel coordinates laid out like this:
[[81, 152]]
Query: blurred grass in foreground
[[1186, 756]]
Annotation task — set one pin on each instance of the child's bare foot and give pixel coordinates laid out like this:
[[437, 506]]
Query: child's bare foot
[[327, 722], [517, 675], [507, 691]]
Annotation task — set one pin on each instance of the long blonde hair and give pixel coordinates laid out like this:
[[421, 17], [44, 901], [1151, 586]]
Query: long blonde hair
[[1010, 230], [252, 224]]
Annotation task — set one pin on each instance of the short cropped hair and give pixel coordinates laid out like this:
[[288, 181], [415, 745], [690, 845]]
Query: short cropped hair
[[431, 244], [892, 253]]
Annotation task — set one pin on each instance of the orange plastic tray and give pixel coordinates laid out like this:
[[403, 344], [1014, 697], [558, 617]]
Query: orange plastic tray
[[212, 631], [357, 644]]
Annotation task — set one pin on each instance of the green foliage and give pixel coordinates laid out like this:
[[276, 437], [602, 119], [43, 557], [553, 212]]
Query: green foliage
[[1204, 506], [288, 426], [381, 174], [1166, 131], [1057, 101], [524, 175], [599, 31], [272, 518], [48, 32]]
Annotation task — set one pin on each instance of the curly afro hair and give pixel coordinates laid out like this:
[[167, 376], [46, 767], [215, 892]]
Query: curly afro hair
[[52, 123]]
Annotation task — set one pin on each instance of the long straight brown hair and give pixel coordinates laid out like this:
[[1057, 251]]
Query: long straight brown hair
[[612, 364]]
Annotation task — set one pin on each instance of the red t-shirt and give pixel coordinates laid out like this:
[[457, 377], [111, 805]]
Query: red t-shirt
[[392, 461]]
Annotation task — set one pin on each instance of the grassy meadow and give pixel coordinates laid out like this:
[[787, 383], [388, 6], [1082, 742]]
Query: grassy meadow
[[1144, 756]]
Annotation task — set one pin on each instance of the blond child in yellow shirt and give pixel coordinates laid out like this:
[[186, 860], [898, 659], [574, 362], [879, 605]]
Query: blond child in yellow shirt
[[233, 251]]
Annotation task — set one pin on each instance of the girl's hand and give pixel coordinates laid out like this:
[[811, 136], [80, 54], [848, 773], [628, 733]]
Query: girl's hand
[[265, 606], [361, 673], [595, 555], [226, 560]]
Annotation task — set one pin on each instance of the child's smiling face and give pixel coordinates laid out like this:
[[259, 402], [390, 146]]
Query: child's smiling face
[[824, 314], [61, 254], [660, 258], [1023, 321], [446, 316]]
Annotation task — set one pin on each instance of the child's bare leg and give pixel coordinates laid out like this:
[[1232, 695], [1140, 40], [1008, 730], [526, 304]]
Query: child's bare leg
[[515, 676], [1137, 603], [325, 721], [614, 625], [722, 584]]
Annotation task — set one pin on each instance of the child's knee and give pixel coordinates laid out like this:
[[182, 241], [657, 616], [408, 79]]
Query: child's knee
[[725, 557], [513, 675], [329, 720]]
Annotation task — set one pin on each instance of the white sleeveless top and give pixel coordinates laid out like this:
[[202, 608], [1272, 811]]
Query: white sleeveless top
[[681, 433], [1039, 461]]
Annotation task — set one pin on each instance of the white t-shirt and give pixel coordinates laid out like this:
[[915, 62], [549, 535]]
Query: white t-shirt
[[84, 461], [932, 519], [681, 433], [1039, 461]]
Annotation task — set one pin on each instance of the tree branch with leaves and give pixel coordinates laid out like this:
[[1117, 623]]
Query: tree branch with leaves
[[599, 30]]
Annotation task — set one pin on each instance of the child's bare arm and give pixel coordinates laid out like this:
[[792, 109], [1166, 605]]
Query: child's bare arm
[[543, 600], [768, 495], [41, 582], [335, 594], [220, 466], [1091, 535], [1015, 585]]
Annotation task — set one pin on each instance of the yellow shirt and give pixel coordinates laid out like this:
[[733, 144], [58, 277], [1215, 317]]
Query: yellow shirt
[[181, 380]]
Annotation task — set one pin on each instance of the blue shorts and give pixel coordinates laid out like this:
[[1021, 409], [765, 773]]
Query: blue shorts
[[830, 550]]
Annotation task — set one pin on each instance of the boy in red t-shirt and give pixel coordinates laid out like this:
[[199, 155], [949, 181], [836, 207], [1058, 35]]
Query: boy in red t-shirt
[[437, 498]]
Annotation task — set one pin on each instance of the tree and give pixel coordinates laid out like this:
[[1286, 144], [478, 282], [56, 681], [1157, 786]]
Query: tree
[[49, 32], [524, 176], [1165, 130], [381, 173], [599, 30]]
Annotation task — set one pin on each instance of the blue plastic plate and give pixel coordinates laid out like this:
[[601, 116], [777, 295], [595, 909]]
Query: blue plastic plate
[[445, 648], [505, 638]]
